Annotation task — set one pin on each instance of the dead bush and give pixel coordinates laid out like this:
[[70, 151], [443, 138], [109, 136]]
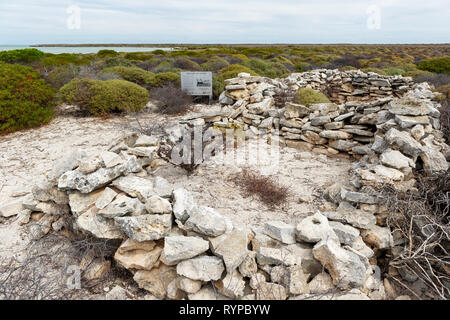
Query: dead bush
[[172, 100], [266, 188], [422, 220]]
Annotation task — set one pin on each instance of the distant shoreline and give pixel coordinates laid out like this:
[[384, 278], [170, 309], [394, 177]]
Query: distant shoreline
[[195, 45]]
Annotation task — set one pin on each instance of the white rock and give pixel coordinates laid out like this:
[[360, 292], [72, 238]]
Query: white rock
[[111, 159], [105, 198], [271, 256], [315, 228], [183, 204], [188, 285], [396, 159], [232, 285], [65, 164], [98, 226], [321, 284], [178, 248], [146, 141], [280, 231], [146, 227], [203, 268], [81, 202], [345, 233], [158, 205], [11, 209], [134, 186], [162, 187], [378, 237], [206, 221], [122, 206]]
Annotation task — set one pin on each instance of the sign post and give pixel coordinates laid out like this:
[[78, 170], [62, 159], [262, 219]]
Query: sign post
[[197, 83]]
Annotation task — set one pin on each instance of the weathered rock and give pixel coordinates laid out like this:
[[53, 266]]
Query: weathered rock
[[433, 160], [404, 142], [320, 121], [271, 291], [162, 187], [134, 186], [261, 107], [293, 110], [345, 267], [46, 191], [11, 209], [40, 228], [65, 164], [183, 204], [97, 270], [111, 159], [206, 221], [146, 141], [360, 246], [232, 285], [146, 227], [297, 281], [158, 205], [354, 217], [188, 285], [75, 180], [156, 280], [378, 237], [408, 121], [280, 231], [98, 226], [248, 267], [395, 159], [231, 247], [106, 197], [335, 134], [122, 206], [315, 228], [207, 293], [321, 284], [203, 268], [358, 197], [132, 255], [271, 256], [177, 248], [345, 233], [304, 257]]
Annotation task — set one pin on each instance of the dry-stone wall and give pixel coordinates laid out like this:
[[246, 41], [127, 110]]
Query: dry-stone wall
[[178, 249]]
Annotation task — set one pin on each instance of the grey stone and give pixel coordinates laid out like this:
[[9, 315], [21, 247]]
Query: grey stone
[[134, 186], [345, 233], [206, 221], [105, 198], [203, 268], [404, 142], [122, 206], [183, 204], [98, 226], [396, 159], [315, 228], [280, 231], [179, 248], [146, 227]]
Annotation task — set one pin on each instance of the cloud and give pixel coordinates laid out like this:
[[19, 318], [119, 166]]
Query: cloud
[[230, 21]]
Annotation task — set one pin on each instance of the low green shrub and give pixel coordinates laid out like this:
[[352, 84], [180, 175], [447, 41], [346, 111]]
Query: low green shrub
[[21, 55], [186, 64], [25, 99], [118, 61], [266, 68], [376, 70], [61, 75], [102, 97], [52, 60], [438, 65], [132, 74], [166, 78], [302, 66], [308, 96], [393, 71], [107, 53], [215, 64]]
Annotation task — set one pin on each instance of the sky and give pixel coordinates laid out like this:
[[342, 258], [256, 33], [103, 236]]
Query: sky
[[227, 21]]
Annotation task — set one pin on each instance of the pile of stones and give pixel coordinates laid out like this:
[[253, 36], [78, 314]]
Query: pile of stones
[[178, 249]]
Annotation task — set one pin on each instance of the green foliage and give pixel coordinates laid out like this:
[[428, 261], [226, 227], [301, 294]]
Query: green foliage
[[302, 66], [215, 64], [52, 60], [186, 64], [138, 56], [218, 86], [159, 52], [61, 75], [308, 96], [438, 65], [267, 68], [25, 100], [393, 71], [376, 70], [166, 78], [132, 74], [117, 62], [107, 53], [102, 97], [21, 55]]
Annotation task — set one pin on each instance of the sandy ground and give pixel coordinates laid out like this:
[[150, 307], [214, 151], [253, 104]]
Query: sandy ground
[[25, 156]]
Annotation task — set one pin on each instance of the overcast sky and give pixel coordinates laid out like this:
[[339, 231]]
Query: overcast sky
[[225, 21]]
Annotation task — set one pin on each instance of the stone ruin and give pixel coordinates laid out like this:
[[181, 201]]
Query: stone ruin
[[178, 249]]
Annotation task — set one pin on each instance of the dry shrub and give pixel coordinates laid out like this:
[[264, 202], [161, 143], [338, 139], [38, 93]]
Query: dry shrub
[[266, 188], [422, 218], [172, 100]]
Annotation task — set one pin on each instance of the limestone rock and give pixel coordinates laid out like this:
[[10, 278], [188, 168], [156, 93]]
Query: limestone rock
[[207, 293], [232, 285], [271, 291], [404, 142], [134, 186], [271, 256], [111, 159], [65, 164], [315, 228], [11, 209], [158, 205], [205, 268], [297, 281], [378, 237], [188, 285], [105, 198], [156, 280], [162, 187], [146, 227], [280, 231], [231, 246], [206, 221], [354, 217], [395, 159], [345, 267], [321, 284], [358, 197], [183, 204], [146, 141], [345, 233], [293, 110], [335, 134], [98, 226], [122, 206], [178, 248], [248, 267], [143, 257]]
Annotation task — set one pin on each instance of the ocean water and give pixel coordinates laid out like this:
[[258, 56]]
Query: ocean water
[[57, 50]]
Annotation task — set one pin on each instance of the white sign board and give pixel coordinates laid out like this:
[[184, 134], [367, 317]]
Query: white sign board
[[197, 83]]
